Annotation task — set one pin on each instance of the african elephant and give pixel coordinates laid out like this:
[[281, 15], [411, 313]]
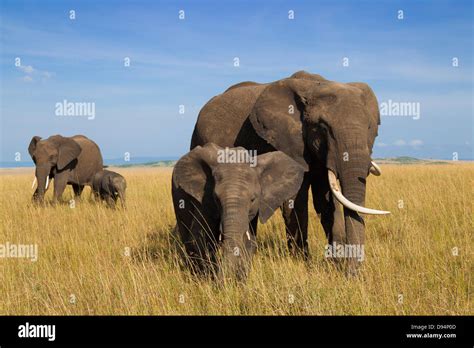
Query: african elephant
[[109, 186], [326, 126], [221, 200], [69, 160]]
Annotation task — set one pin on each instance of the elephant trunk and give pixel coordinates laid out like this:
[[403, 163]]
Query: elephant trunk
[[42, 177], [236, 236], [121, 194], [352, 176], [118, 188]]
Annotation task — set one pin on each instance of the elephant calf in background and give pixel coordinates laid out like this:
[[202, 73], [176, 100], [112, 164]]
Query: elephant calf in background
[[109, 186], [69, 160], [219, 201]]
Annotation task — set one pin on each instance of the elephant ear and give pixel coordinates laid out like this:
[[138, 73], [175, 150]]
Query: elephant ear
[[193, 172], [277, 116], [280, 179], [32, 146], [372, 105], [68, 150]]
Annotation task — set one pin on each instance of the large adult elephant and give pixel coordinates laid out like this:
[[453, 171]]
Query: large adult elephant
[[326, 126], [69, 160]]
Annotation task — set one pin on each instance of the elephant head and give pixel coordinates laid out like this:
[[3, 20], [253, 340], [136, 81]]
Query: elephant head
[[114, 186], [236, 193], [120, 186], [314, 120], [57, 153]]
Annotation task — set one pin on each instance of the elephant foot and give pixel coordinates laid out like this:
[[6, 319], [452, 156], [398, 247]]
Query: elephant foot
[[38, 203], [336, 262], [228, 279], [298, 251], [353, 269], [300, 254]]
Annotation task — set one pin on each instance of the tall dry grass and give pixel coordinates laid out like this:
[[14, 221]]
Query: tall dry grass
[[84, 266]]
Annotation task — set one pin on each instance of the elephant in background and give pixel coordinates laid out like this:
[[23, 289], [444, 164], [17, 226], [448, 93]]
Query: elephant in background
[[326, 126], [215, 200], [69, 160], [109, 186]]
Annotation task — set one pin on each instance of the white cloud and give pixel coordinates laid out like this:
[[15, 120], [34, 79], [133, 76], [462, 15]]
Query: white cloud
[[30, 72], [416, 142], [380, 144], [400, 142], [27, 69]]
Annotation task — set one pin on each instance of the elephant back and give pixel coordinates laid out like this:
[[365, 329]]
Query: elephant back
[[222, 118], [90, 160]]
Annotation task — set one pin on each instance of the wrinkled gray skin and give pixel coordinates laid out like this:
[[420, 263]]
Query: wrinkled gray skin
[[69, 160], [319, 123], [222, 201], [109, 186]]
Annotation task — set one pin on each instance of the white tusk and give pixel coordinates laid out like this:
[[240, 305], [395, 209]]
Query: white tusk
[[34, 182], [375, 169], [47, 183], [347, 203], [248, 234]]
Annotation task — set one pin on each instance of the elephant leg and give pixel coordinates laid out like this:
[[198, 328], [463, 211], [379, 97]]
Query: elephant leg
[[77, 190], [199, 236], [329, 210], [201, 246], [295, 214], [110, 201], [95, 195], [60, 183]]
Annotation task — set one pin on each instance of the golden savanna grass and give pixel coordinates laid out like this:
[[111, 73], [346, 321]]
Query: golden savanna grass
[[84, 266]]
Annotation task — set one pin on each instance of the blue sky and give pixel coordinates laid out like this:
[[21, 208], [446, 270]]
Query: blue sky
[[185, 62]]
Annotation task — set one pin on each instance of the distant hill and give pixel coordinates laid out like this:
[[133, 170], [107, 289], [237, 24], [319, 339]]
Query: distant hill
[[391, 160], [139, 161], [409, 160], [171, 161], [112, 162], [148, 164]]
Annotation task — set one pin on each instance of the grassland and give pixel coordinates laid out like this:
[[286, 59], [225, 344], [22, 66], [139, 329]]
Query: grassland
[[94, 260]]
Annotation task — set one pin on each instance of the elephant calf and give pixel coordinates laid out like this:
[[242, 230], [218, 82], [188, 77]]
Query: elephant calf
[[109, 186], [218, 195]]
